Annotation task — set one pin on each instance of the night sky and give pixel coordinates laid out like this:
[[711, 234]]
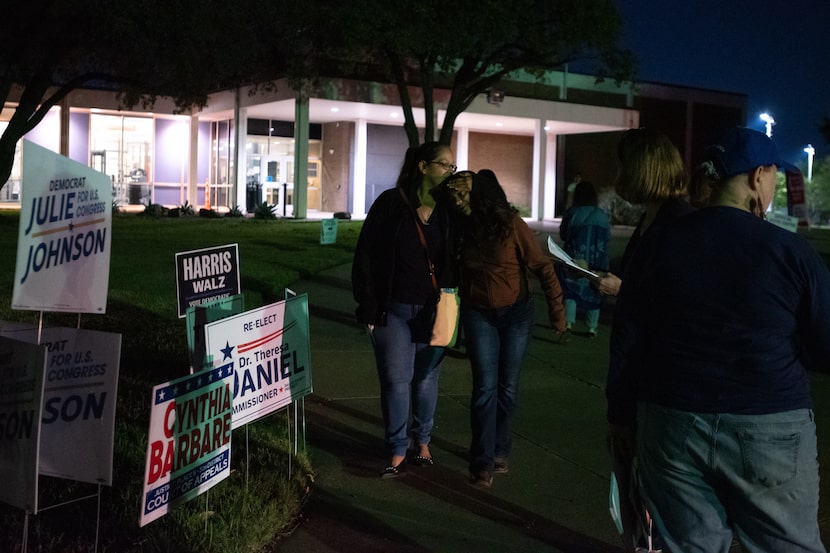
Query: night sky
[[776, 52]]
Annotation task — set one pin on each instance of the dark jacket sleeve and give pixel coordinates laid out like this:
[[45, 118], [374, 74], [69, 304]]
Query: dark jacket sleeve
[[373, 261], [363, 281], [629, 334]]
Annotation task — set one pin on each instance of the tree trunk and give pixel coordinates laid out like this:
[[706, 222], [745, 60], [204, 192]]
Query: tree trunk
[[406, 101], [428, 87], [7, 146]]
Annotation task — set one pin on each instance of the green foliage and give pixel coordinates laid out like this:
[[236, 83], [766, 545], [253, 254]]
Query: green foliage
[[248, 510], [235, 211], [265, 211], [209, 213], [161, 51], [154, 210], [489, 40], [816, 192], [184, 210]]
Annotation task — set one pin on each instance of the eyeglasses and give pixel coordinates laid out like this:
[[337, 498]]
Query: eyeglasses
[[451, 167]]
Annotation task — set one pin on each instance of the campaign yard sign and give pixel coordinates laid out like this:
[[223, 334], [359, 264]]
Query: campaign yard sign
[[21, 393], [796, 198], [79, 398], [199, 315], [206, 275], [65, 235], [189, 442], [269, 349], [328, 231]]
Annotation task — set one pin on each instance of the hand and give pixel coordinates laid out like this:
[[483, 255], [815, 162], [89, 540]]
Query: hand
[[581, 263], [609, 284]]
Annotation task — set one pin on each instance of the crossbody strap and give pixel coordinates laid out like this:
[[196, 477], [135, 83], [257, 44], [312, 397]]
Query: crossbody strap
[[423, 241]]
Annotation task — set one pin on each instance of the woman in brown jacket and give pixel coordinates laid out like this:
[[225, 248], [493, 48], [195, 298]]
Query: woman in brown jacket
[[497, 251]]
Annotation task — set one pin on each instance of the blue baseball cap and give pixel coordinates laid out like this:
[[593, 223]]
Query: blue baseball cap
[[740, 150]]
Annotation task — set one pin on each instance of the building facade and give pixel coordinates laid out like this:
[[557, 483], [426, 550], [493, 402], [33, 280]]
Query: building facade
[[338, 146]]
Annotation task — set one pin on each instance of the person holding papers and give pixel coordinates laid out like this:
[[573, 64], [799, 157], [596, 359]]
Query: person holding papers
[[585, 230], [651, 173], [732, 312]]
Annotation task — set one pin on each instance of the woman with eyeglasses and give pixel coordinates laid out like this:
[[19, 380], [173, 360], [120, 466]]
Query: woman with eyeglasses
[[406, 239]]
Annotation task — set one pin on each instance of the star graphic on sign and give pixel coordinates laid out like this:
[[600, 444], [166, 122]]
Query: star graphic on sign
[[227, 350], [161, 395]]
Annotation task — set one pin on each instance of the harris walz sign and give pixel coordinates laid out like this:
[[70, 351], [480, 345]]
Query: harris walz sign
[[206, 275]]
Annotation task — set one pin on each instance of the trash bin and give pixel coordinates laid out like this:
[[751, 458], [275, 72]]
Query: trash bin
[[254, 196], [135, 193]]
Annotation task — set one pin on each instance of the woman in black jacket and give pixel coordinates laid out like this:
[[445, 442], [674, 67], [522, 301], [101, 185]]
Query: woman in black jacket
[[404, 234]]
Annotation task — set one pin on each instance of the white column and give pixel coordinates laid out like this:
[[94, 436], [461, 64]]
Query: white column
[[462, 148], [359, 169], [193, 165], [538, 188], [550, 180], [301, 133], [240, 153]]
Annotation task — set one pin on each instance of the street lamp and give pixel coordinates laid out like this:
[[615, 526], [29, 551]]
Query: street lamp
[[811, 152], [767, 118]]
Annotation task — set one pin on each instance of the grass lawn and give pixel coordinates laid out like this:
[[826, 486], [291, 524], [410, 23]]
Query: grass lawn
[[259, 500]]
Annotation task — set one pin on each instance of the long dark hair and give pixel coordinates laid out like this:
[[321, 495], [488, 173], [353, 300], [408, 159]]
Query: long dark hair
[[585, 194], [411, 177], [491, 215]]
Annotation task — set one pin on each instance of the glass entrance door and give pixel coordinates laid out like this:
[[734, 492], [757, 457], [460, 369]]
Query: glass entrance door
[[278, 182]]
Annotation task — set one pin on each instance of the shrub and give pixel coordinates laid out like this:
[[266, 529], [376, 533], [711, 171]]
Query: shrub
[[154, 210], [265, 211], [235, 212]]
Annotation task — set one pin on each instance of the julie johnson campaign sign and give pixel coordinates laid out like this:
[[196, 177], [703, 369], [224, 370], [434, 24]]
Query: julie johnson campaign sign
[[189, 442], [79, 398], [21, 392], [63, 249], [207, 275], [269, 350]]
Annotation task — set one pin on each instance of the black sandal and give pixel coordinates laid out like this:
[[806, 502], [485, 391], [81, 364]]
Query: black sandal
[[422, 461], [391, 472]]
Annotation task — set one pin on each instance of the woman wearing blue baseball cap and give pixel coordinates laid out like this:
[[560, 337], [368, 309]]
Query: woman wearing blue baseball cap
[[735, 311]]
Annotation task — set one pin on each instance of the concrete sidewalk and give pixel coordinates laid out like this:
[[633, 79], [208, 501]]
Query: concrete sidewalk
[[555, 498]]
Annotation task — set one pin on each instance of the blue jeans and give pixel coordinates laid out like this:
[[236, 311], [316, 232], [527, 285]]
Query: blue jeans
[[408, 374], [706, 476], [497, 341]]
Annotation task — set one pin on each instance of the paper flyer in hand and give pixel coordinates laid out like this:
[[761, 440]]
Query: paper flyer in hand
[[560, 254]]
